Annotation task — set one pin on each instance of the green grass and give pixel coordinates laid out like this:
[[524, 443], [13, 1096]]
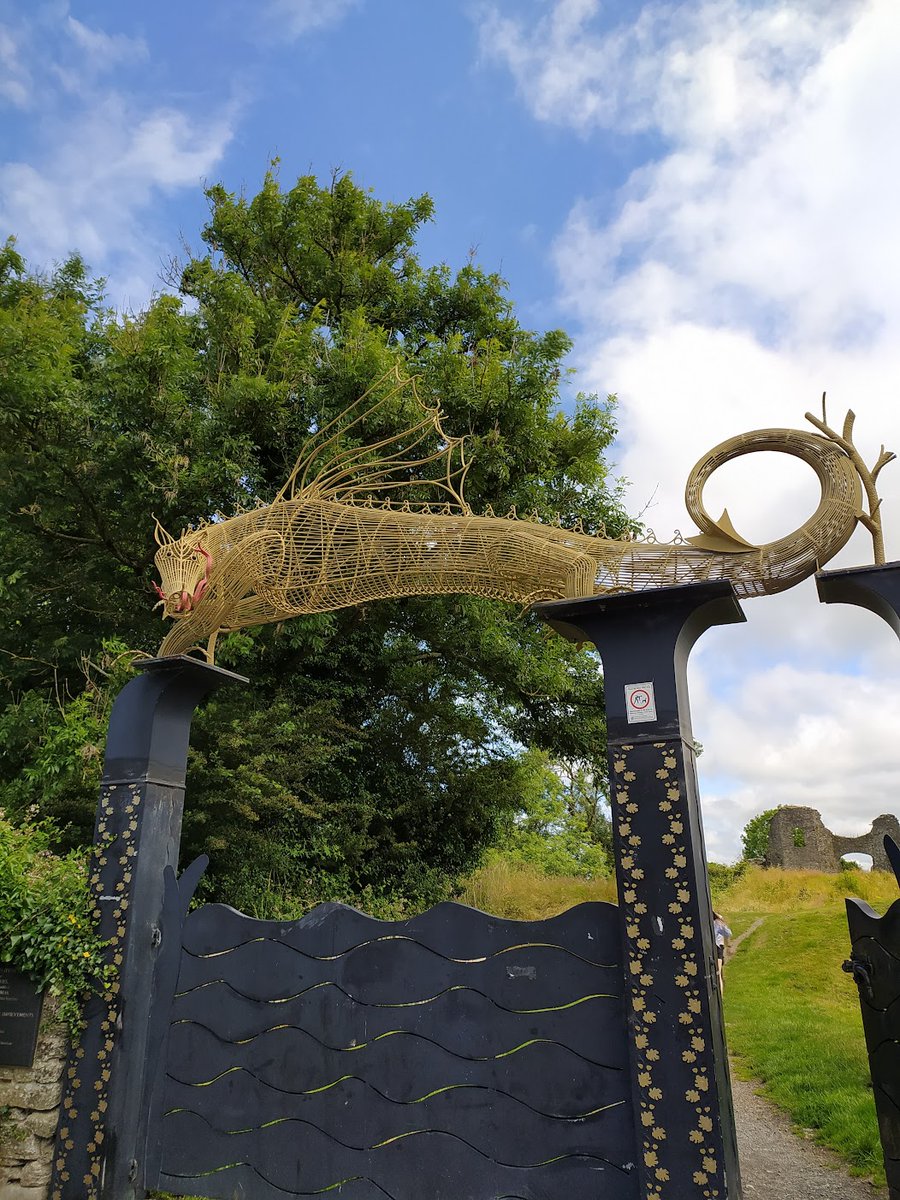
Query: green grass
[[740, 922], [793, 1022], [792, 1015], [771, 890]]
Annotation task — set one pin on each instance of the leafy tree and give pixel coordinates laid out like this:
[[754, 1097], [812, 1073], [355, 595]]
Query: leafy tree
[[563, 827], [378, 749], [755, 836]]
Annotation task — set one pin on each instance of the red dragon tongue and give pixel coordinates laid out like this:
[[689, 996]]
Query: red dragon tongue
[[204, 582], [159, 591]]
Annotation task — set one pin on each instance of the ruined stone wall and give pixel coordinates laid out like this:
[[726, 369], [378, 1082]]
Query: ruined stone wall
[[29, 1109], [799, 841], [872, 842]]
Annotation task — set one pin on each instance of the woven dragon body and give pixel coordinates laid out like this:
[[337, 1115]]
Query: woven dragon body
[[337, 535]]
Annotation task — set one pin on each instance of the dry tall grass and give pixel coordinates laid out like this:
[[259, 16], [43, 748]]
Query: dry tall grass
[[770, 890], [522, 893]]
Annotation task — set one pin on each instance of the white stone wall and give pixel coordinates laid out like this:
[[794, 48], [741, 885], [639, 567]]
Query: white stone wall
[[32, 1097]]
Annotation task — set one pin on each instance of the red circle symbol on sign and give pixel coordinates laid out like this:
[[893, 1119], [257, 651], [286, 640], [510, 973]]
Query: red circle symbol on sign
[[640, 698]]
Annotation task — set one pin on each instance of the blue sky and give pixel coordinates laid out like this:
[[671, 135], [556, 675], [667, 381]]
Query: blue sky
[[705, 195], [408, 102]]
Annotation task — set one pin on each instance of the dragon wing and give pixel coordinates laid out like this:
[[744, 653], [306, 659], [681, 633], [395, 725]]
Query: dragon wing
[[413, 467]]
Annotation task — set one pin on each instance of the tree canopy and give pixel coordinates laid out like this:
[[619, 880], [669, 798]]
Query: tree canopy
[[755, 836], [378, 749]]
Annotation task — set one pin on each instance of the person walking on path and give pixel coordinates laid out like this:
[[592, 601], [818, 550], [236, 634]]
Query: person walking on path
[[722, 935]]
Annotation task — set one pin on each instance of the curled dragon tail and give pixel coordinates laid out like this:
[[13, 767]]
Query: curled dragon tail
[[778, 565]]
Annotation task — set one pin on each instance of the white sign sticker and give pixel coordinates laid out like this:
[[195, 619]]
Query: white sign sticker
[[640, 702]]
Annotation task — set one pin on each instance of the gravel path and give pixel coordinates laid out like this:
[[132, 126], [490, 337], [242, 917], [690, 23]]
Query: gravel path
[[777, 1164]]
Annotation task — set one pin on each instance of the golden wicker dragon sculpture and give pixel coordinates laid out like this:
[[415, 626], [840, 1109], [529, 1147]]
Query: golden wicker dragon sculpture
[[350, 526]]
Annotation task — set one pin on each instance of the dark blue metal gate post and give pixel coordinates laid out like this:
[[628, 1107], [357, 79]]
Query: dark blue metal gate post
[[137, 834], [875, 941], [680, 1080]]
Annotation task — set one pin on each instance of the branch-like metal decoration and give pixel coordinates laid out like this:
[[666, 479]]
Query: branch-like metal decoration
[[388, 519], [872, 518]]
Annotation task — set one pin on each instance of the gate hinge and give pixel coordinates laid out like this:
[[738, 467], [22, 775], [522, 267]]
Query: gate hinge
[[861, 970]]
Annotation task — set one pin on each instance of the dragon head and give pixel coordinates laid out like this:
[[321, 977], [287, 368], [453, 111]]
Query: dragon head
[[184, 567]]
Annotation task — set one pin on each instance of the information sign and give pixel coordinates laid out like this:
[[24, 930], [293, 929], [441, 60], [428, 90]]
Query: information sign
[[640, 702], [20, 1015]]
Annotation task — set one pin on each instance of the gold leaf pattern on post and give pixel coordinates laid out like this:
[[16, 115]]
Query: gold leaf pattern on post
[[650, 1041], [78, 1095]]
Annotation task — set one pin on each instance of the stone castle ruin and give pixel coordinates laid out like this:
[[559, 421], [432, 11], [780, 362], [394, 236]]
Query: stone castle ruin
[[799, 841]]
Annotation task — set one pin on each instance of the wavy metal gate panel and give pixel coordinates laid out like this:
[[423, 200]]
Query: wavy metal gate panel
[[454, 1055]]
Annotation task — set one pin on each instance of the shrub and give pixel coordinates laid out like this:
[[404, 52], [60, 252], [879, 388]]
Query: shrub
[[46, 926], [722, 877]]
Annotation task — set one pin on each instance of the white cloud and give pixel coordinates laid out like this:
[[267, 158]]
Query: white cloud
[[704, 72], [752, 265], [793, 232], [816, 738], [296, 18], [15, 78], [105, 50], [106, 159], [108, 167]]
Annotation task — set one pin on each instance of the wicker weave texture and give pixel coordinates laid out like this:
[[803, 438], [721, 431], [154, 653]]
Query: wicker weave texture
[[354, 526]]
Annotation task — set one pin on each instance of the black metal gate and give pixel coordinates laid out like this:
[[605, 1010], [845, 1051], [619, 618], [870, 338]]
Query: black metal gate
[[453, 1054], [875, 964]]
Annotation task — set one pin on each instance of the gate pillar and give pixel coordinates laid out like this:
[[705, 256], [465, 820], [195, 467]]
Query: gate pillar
[[137, 834], [680, 1081], [875, 588], [875, 940]]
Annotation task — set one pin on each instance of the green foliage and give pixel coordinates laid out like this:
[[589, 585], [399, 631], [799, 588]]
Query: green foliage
[[722, 877], [380, 749], [46, 927], [798, 836], [563, 825], [10, 1129], [755, 837], [53, 749]]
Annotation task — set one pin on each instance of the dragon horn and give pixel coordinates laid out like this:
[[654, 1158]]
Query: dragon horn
[[161, 536]]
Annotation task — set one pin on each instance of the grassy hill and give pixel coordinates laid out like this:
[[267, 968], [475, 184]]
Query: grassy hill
[[792, 1015]]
